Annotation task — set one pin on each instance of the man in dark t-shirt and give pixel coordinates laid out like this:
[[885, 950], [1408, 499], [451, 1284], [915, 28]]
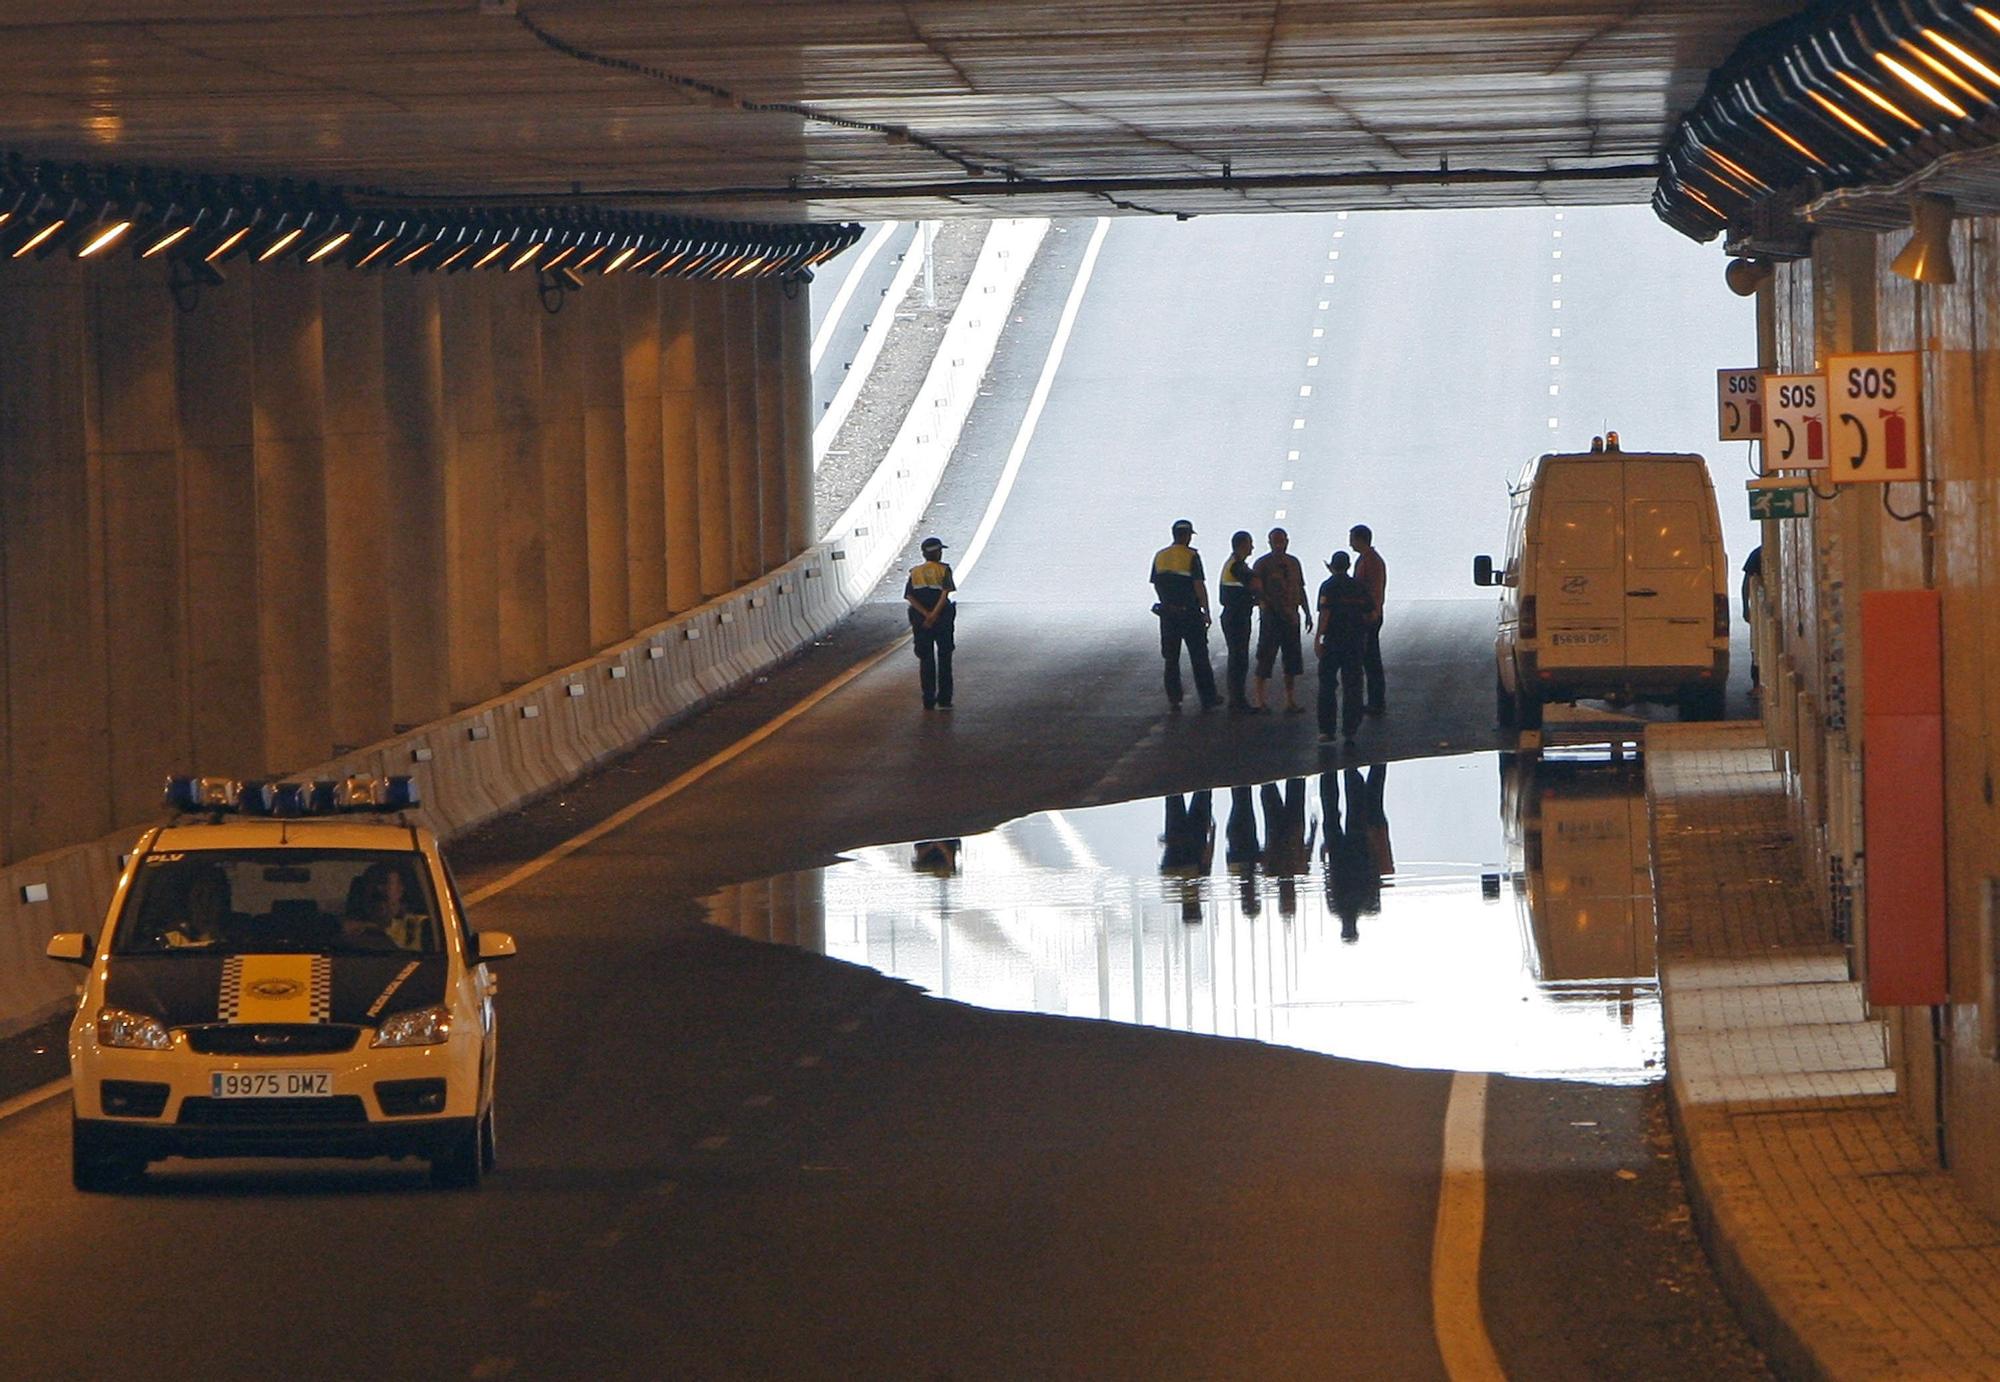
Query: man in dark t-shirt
[[1238, 588], [1344, 609]]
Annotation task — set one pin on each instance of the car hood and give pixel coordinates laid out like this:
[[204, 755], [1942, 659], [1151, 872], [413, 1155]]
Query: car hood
[[184, 990]]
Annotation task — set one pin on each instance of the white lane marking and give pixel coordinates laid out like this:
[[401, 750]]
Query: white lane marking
[[1461, 1228], [1036, 402], [626, 814], [34, 1098], [829, 424], [831, 322]]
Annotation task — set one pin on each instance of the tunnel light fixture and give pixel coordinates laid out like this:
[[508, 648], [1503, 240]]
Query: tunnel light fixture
[[555, 260], [39, 238], [526, 257], [1929, 91], [620, 260], [492, 254], [330, 245], [1879, 101], [102, 237], [1971, 63], [1946, 72]]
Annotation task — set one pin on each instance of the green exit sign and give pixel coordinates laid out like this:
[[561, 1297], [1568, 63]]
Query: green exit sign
[[1777, 503]]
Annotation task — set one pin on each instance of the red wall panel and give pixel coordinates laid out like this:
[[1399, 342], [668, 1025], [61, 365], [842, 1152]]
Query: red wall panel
[[1902, 738]]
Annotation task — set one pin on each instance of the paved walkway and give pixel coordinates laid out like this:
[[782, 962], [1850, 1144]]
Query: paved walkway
[[1849, 1253]]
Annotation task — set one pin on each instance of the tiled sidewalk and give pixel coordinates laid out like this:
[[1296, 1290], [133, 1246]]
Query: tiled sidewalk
[[1849, 1253]]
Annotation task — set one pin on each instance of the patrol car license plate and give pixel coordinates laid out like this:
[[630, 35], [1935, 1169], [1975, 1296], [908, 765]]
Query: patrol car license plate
[[270, 1084]]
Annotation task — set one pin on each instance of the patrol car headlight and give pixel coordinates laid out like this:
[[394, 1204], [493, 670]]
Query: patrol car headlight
[[423, 1027], [116, 1027]]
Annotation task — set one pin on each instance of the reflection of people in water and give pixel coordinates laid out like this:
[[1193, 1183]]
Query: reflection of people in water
[[935, 856], [1287, 851], [1188, 848], [1357, 845], [1244, 848]]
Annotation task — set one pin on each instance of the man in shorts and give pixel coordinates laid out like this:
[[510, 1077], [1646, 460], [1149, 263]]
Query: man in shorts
[[1281, 598]]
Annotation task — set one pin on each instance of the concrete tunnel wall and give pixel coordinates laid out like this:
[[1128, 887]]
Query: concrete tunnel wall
[[322, 507]]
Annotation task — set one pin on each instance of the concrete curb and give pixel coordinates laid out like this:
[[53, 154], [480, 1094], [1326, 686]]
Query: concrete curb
[[499, 755]]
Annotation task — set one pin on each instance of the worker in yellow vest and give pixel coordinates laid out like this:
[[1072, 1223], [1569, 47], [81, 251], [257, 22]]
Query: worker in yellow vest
[[932, 614]]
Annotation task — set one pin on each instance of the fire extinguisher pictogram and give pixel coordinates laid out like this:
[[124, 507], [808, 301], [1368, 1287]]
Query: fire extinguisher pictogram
[[1757, 415], [1815, 439], [1895, 439]]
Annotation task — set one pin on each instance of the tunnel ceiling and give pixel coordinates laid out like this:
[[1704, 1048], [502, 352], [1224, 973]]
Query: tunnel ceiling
[[837, 109]]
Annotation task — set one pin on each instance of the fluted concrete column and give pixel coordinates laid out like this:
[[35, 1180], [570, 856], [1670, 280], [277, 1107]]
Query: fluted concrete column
[[291, 549], [746, 505], [57, 737], [645, 466], [609, 590], [218, 499], [517, 468], [362, 550], [471, 492], [135, 440], [565, 510], [414, 415], [795, 347], [774, 475], [711, 419], [680, 443]]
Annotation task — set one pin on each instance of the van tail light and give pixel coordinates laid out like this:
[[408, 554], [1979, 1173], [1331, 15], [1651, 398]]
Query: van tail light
[[1528, 616], [1722, 616]]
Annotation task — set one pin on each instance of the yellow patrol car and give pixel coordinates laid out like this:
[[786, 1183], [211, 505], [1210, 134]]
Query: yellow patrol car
[[279, 978]]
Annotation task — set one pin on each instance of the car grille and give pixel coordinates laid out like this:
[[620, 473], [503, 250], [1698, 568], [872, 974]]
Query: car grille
[[272, 1038], [265, 1113]]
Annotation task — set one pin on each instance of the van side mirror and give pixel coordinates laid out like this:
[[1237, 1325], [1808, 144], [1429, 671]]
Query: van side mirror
[[71, 947], [1482, 571]]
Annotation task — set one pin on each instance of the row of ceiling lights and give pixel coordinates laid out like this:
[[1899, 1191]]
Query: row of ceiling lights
[[1836, 97], [203, 223]]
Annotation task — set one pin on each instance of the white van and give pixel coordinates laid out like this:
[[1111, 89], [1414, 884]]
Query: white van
[[1615, 585]]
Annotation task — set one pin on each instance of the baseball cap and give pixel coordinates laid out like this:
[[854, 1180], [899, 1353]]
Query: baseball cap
[[1182, 525], [931, 542]]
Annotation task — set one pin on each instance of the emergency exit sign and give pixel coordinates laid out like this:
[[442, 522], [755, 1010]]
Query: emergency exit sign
[[1789, 502]]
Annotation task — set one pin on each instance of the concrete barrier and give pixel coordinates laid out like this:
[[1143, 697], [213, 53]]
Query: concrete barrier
[[493, 758]]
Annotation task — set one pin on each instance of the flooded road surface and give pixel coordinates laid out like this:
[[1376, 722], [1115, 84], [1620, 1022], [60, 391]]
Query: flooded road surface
[[1464, 913]]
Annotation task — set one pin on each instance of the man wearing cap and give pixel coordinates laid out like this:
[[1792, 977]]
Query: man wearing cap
[[1183, 609], [1237, 587], [928, 594], [1344, 608]]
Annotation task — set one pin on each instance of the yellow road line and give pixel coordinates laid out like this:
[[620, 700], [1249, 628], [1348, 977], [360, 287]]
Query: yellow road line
[[625, 815], [21, 1103], [1461, 1228]]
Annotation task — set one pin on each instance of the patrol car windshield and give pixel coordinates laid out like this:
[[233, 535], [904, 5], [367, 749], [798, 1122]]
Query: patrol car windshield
[[264, 901]]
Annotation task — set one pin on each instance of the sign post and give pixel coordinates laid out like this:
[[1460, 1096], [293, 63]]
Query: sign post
[[1739, 405], [1876, 417]]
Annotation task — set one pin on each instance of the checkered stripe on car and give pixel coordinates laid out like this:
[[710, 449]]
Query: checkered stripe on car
[[322, 989], [228, 1001]]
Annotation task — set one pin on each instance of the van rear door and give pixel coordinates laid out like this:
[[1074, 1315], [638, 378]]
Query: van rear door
[[1580, 590], [1669, 588]]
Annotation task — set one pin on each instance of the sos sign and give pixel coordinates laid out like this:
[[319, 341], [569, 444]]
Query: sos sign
[[1739, 405], [1795, 431], [1875, 417]]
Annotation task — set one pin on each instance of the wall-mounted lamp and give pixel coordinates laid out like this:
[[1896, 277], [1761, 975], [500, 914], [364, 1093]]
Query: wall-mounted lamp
[[1746, 276], [1927, 257]]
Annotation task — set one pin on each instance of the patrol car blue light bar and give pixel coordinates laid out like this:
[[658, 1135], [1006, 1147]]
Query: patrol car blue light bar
[[293, 797]]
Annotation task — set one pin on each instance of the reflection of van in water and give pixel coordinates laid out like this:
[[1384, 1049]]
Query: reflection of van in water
[[1615, 585], [1577, 840]]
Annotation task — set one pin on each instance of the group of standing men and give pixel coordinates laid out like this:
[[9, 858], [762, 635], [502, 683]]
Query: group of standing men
[[1347, 634]]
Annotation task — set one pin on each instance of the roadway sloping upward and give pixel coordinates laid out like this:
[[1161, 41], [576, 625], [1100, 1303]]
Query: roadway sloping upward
[[722, 1159]]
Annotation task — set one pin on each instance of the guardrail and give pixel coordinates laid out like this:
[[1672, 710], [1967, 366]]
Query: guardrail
[[496, 756]]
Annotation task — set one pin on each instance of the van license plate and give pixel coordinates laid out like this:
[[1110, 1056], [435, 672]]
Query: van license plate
[[270, 1084], [1589, 638]]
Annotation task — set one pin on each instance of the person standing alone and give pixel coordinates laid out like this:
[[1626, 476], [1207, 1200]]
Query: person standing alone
[[932, 619], [1343, 633], [1182, 589], [1373, 574], [1281, 597], [1238, 588]]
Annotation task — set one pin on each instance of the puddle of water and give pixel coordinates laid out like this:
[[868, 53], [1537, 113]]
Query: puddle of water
[[1466, 913]]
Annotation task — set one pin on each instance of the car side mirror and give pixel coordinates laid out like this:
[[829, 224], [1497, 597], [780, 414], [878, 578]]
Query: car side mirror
[[71, 947], [493, 945], [1482, 571]]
